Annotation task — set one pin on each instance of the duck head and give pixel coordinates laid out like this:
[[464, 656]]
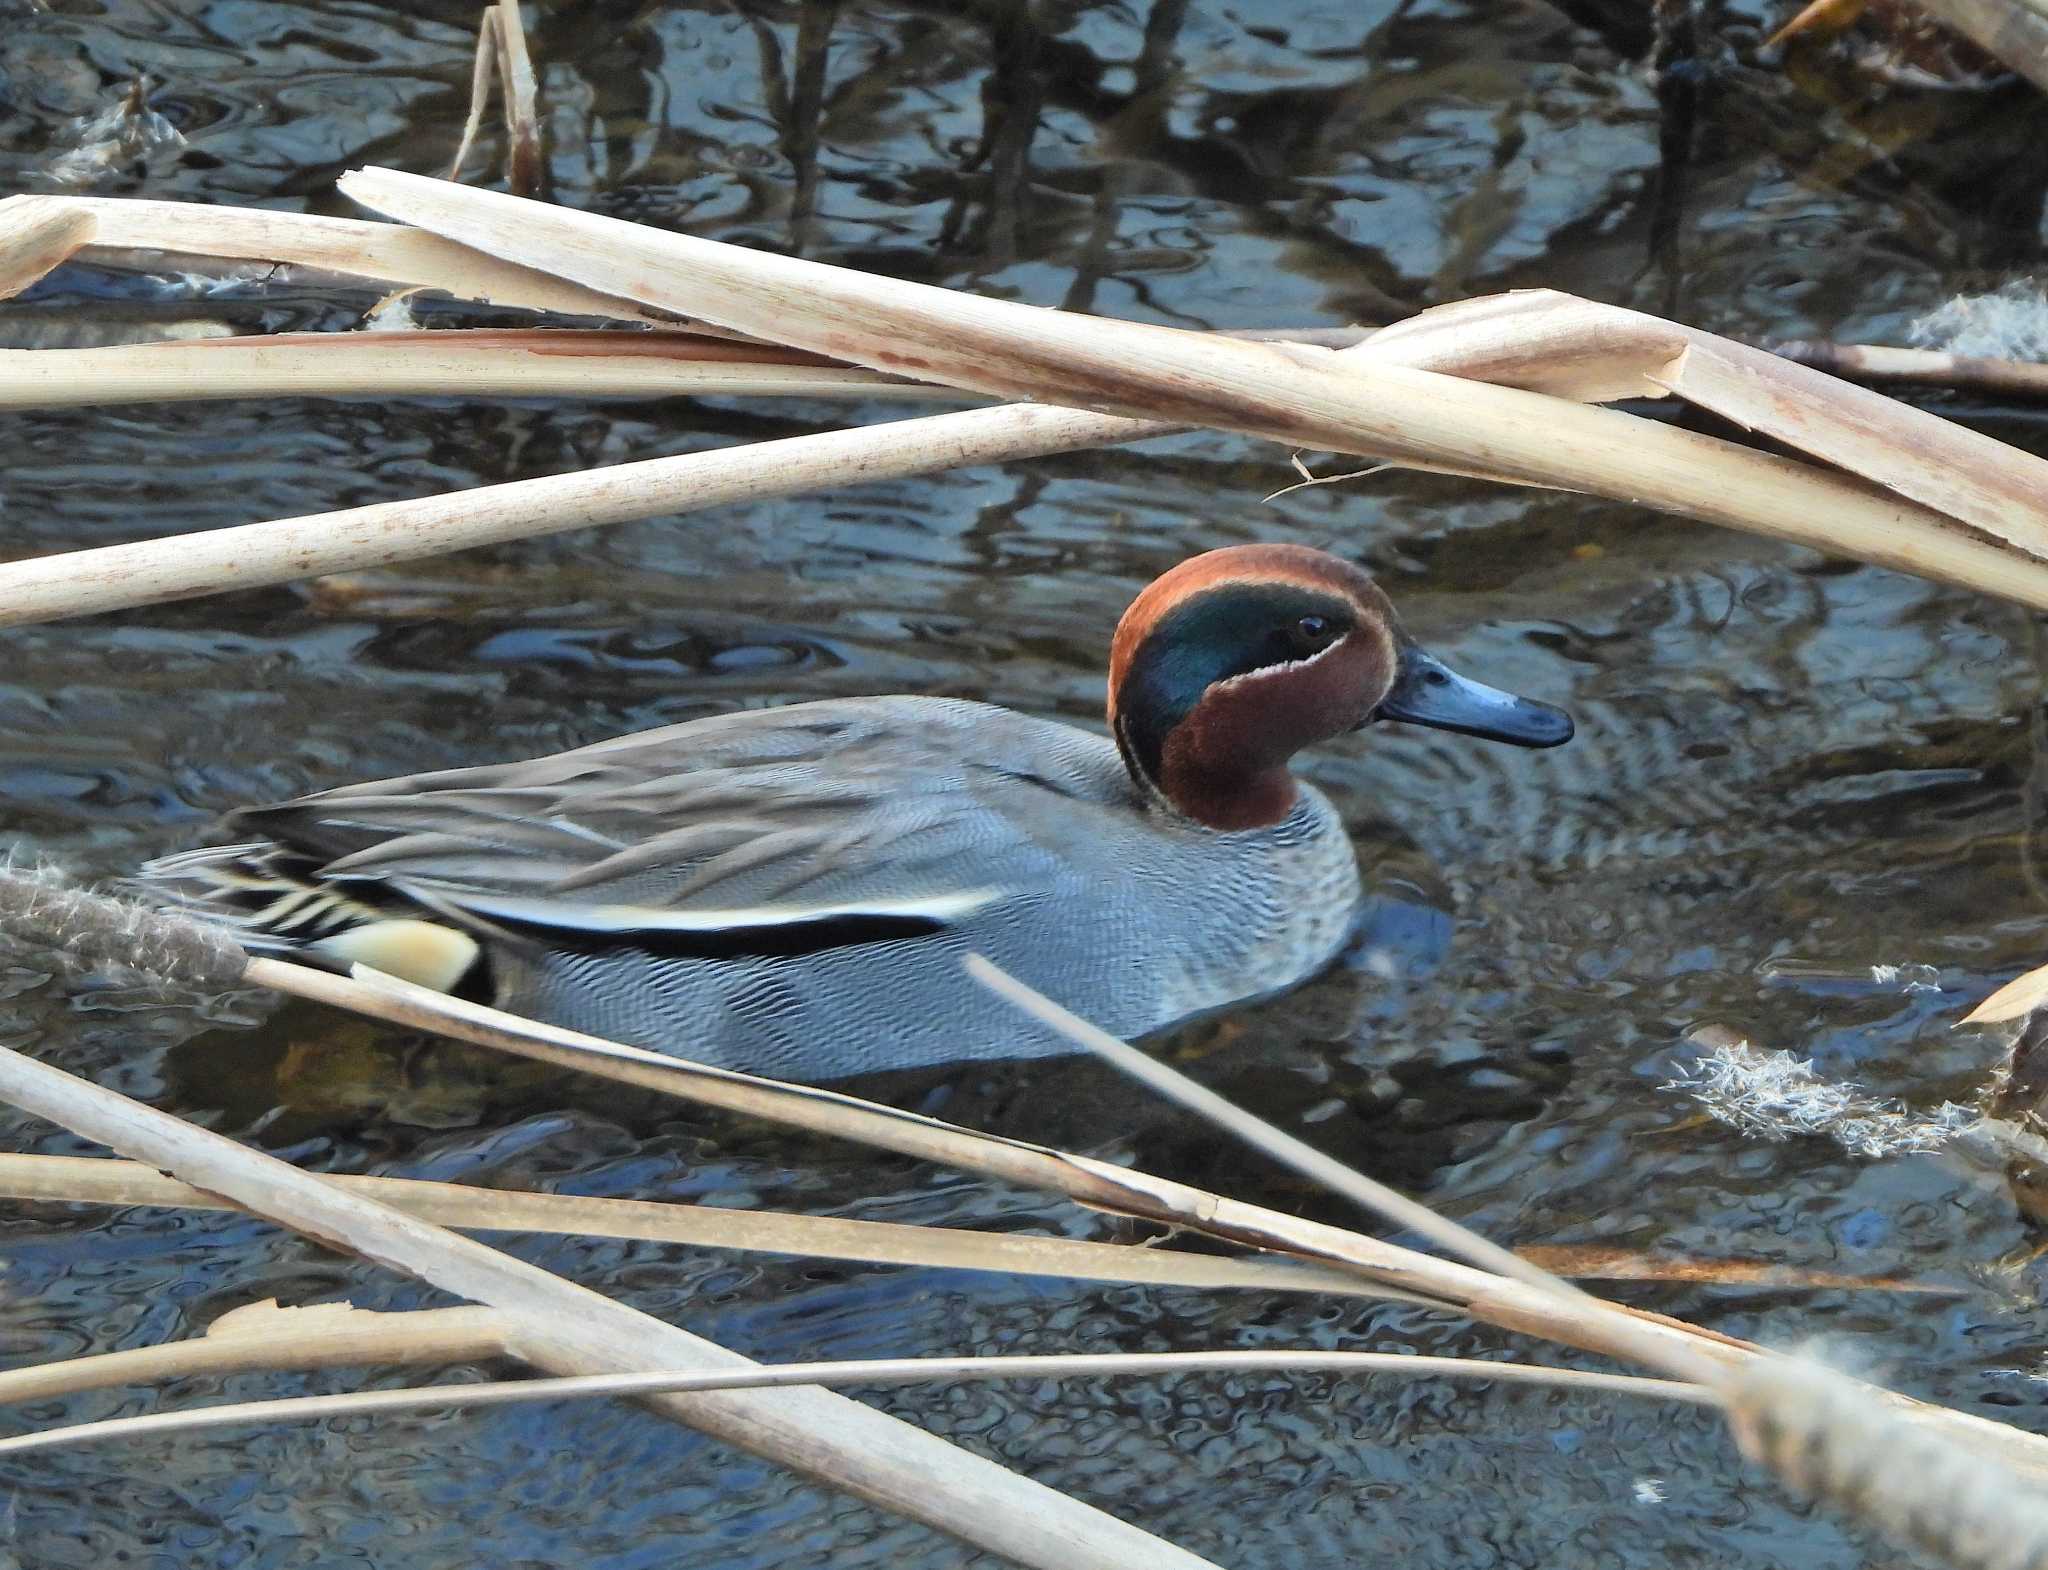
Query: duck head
[[1235, 660]]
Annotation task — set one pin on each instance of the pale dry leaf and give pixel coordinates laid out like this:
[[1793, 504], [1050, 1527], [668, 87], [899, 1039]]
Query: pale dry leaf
[[2015, 1000]]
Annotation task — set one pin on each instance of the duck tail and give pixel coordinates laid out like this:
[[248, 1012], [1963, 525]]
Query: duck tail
[[275, 901]]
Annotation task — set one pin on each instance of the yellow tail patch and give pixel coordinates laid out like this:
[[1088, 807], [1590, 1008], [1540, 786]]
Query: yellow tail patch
[[422, 952]]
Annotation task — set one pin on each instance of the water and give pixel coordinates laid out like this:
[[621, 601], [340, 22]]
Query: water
[[1789, 769]]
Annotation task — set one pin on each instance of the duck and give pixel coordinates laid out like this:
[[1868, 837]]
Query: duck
[[791, 891]]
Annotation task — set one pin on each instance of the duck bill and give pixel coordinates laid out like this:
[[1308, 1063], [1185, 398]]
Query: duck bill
[[1428, 692]]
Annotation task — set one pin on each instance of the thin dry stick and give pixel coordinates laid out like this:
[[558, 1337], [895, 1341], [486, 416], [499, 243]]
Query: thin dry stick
[[262, 1335], [96, 1180], [93, 1180], [1571, 1319], [1361, 400], [1375, 1198], [570, 1329], [877, 1373], [1587, 1323]]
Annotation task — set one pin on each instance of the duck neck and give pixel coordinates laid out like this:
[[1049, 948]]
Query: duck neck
[[1221, 766]]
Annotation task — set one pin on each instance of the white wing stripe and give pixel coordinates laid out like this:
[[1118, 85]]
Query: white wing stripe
[[653, 918]]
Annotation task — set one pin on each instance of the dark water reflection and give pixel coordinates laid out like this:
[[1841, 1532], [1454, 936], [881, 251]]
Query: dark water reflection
[[1787, 768]]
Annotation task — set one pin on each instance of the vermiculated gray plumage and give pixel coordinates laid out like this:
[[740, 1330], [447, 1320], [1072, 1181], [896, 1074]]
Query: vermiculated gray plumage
[[790, 890]]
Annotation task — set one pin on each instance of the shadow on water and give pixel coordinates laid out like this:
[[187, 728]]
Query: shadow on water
[[1788, 769]]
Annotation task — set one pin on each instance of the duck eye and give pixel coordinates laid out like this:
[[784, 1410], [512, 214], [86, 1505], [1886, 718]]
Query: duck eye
[[1310, 635]]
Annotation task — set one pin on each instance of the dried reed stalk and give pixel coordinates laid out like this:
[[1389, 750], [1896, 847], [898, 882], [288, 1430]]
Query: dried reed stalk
[[116, 577], [1650, 1340], [1807, 503], [476, 363], [1686, 1352], [91, 929], [1359, 400], [98, 931], [566, 1328]]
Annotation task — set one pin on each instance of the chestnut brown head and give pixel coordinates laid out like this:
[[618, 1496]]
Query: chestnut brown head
[[1235, 660]]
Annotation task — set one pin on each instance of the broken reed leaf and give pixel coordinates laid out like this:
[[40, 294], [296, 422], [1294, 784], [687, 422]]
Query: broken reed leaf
[[148, 235], [2015, 1000], [38, 240], [1366, 401], [879, 1373], [482, 70], [502, 57], [525, 159], [1528, 338], [1600, 1262]]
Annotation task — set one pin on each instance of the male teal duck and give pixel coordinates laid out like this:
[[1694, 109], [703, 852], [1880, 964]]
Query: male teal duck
[[790, 891]]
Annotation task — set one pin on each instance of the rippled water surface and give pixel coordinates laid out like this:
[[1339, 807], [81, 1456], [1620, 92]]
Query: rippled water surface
[[1789, 769]]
